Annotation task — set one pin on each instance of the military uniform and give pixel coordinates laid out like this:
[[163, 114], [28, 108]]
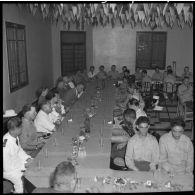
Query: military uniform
[[14, 159]]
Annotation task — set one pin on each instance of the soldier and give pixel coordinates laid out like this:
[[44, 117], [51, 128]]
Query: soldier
[[14, 157]]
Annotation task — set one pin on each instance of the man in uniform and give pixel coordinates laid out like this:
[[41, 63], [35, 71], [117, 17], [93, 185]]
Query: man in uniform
[[14, 157]]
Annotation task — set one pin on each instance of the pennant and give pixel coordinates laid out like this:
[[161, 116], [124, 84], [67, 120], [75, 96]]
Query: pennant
[[186, 13], [179, 7], [134, 8], [74, 10], [165, 8], [95, 6], [105, 9], [136, 17], [158, 10], [141, 15], [146, 9], [113, 6]]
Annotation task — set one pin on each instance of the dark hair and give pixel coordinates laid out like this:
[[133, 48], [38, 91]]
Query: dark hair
[[39, 91], [129, 112], [26, 108], [186, 67], [177, 122], [102, 66], [124, 67], [142, 119], [14, 123], [127, 71], [169, 71], [169, 66], [50, 95], [91, 67], [113, 65], [64, 168], [144, 71], [134, 102], [60, 79], [156, 67]]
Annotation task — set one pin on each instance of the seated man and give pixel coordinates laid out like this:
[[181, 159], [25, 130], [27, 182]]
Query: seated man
[[138, 74], [91, 73], [169, 84], [113, 73], [165, 72], [15, 160], [130, 78], [30, 140], [157, 75], [72, 95], [40, 94], [185, 93], [60, 88], [134, 104], [120, 137], [68, 83], [124, 68], [63, 180], [101, 76], [42, 121], [142, 153], [176, 150], [187, 73], [145, 79]]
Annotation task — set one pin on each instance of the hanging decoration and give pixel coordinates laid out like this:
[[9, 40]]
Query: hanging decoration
[[146, 14]]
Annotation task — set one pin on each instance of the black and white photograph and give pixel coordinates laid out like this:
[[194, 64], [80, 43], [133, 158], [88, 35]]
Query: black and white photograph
[[97, 96]]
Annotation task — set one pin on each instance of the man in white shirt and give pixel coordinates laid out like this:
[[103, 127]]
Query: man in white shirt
[[15, 160], [134, 104], [176, 150], [91, 73], [42, 121], [142, 153], [113, 73]]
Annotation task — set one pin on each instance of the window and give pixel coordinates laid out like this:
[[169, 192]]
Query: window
[[73, 51], [16, 52], [151, 50]]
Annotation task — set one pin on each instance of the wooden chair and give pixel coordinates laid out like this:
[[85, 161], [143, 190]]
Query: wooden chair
[[146, 89], [188, 115]]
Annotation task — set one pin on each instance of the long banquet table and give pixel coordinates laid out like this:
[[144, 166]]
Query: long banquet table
[[97, 161]]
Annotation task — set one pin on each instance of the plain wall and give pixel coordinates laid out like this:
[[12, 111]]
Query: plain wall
[[56, 46], [118, 46], [39, 56]]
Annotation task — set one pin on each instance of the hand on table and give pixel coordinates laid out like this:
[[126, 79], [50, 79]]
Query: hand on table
[[121, 145]]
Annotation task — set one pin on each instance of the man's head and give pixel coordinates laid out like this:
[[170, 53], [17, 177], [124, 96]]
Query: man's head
[[113, 68], [29, 112], [91, 68], [129, 115], [126, 72], [133, 104], [144, 73], [124, 68], [186, 81], [65, 79], [42, 91], [60, 84], [101, 68], [177, 128], [169, 72], [157, 69], [46, 107], [143, 124], [52, 96], [64, 177], [14, 126], [186, 69], [80, 87], [169, 67]]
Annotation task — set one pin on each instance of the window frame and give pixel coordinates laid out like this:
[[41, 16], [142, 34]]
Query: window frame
[[18, 72], [151, 67]]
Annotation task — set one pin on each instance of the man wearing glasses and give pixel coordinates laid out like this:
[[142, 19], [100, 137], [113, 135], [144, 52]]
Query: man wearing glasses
[[142, 153], [176, 150]]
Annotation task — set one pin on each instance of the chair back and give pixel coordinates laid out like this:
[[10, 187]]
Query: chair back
[[169, 87]]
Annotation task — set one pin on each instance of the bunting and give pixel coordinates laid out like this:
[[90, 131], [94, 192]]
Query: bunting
[[146, 14]]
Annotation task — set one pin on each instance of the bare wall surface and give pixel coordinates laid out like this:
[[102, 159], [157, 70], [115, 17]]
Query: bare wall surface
[[118, 46], [39, 56]]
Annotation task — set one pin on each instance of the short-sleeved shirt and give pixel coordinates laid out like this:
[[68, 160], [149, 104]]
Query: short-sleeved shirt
[[113, 74], [101, 75], [177, 153], [157, 76]]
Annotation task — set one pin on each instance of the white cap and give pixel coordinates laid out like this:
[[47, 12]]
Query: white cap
[[10, 113], [155, 97]]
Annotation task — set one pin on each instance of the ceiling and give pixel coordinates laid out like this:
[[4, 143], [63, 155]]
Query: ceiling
[[154, 15]]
